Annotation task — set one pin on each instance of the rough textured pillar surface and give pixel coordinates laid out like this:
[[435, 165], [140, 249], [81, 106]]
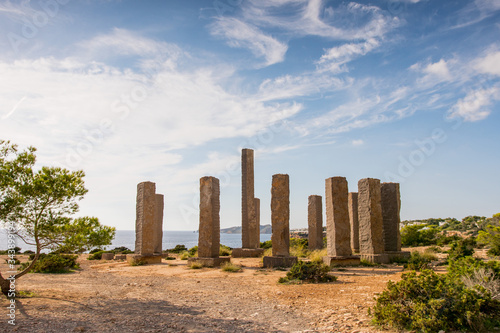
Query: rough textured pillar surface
[[391, 205], [158, 223], [145, 226], [256, 202], [209, 231], [280, 215], [315, 222], [338, 229], [250, 231], [371, 229], [353, 218]]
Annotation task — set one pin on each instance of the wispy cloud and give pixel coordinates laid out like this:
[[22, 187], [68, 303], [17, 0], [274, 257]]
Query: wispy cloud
[[489, 64], [335, 58], [242, 35], [475, 106]]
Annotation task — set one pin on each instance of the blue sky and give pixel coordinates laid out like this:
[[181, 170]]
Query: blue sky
[[170, 91]]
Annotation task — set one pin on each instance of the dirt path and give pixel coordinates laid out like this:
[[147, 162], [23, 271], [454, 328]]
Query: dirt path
[[169, 297]]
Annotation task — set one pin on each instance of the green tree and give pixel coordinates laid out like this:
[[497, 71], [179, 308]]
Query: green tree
[[35, 206], [491, 238], [418, 235]]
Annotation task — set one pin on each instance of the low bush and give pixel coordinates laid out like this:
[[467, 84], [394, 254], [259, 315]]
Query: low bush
[[266, 245], [192, 251], [317, 255], [312, 272], [179, 248], [225, 250], [185, 255], [97, 255], [464, 247], [52, 263], [367, 263], [230, 267], [431, 302], [122, 250], [196, 265], [419, 262], [298, 247], [16, 250]]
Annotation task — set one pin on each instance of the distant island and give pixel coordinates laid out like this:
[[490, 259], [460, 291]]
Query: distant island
[[264, 229]]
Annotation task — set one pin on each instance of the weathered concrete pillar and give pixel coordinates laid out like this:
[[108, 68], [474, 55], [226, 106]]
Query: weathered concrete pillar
[[280, 219], [338, 228], [391, 206], [256, 203], [250, 236], [315, 222], [250, 213], [371, 228], [209, 230], [145, 226], [352, 202], [159, 223]]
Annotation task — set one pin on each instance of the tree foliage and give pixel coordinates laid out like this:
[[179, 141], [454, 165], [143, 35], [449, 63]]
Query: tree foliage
[[36, 206]]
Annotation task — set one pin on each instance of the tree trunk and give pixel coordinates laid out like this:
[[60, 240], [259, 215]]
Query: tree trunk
[[5, 285]]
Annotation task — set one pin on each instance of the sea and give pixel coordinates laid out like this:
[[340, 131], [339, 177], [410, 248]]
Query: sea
[[170, 240]]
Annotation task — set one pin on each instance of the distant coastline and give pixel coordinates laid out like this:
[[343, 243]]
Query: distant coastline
[[264, 229]]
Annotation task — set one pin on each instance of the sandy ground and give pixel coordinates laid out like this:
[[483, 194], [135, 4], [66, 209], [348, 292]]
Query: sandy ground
[[170, 297]]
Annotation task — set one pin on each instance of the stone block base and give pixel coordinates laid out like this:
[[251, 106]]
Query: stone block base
[[247, 253], [341, 261], [395, 255], [138, 259], [376, 258], [120, 257], [209, 262], [275, 261], [107, 256]]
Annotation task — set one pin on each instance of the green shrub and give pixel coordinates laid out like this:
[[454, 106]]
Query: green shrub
[[491, 238], [419, 262], [466, 266], [266, 245], [312, 272], [298, 247], [16, 250], [13, 261], [94, 251], [28, 252], [419, 235], [179, 248], [367, 263], [434, 249], [192, 251], [464, 247], [185, 255], [122, 250], [317, 255], [196, 265], [446, 240], [53, 263], [97, 255], [230, 267], [224, 250], [431, 302]]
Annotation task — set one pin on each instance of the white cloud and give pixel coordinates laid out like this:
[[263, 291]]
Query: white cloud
[[474, 106], [490, 64], [358, 142], [312, 17], [242, 35], [334, 58], [433, 73]]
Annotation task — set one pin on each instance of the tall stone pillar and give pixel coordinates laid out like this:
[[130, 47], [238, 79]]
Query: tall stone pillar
[[280, 219], [315, 222], [371, 228], [352, 202], [145, 222], [250, 218], [209, 230], [249, 235], [146, 226], [338, 228], [159, 223], [391, 206]]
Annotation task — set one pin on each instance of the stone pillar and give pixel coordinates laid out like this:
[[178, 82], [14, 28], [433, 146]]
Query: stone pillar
[[280, 219], [209, 230], [159, 223], [315, 222], [371, 228], [352, 202], [338, 228], [256, 202], [145, 226], [250, 235], [250, 210], [391, 206]]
